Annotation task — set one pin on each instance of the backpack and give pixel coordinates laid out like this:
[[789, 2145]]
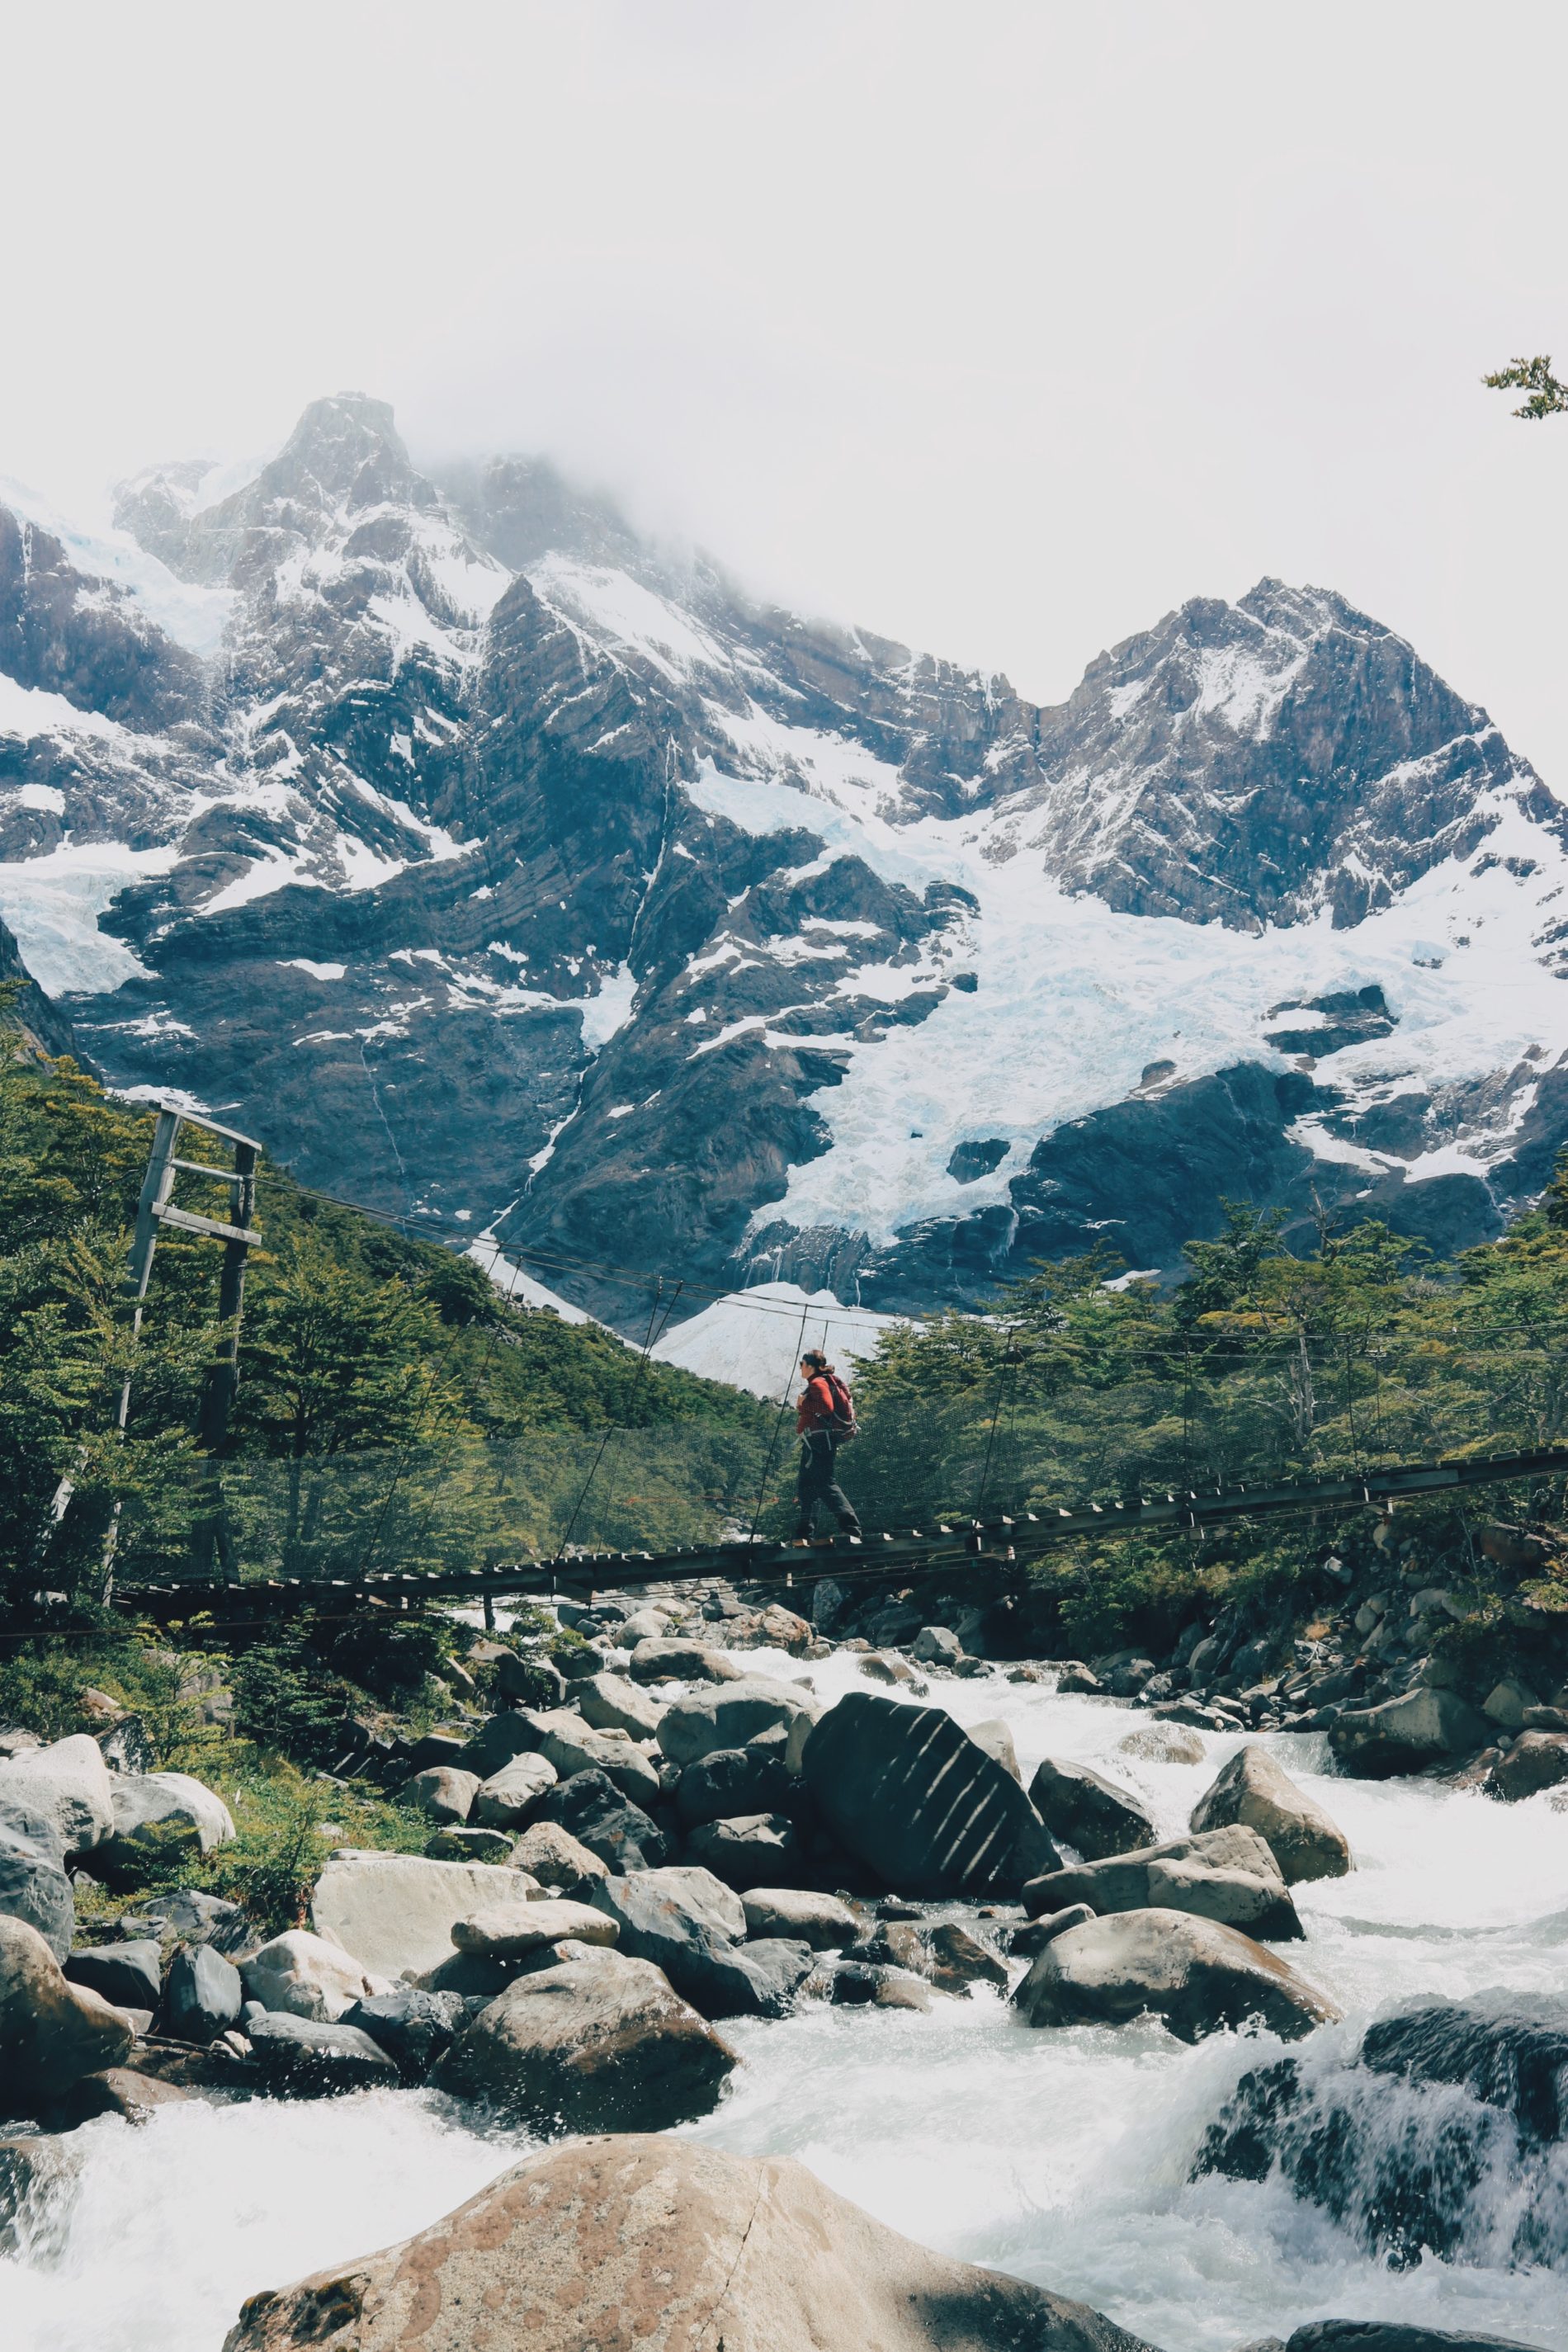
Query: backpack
[[843, 1424]]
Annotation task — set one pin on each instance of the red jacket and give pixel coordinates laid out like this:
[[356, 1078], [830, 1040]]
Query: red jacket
[[814, 1406]]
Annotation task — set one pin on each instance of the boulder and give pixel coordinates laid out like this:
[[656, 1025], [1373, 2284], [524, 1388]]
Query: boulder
[[127, 1976], [533, 1680], [1033, 1936], [1258, 1794], [1120, 1883], [204, 1993], [904, 1791], [460, 1842], [1238, 1898], [1405, 1734], [644, 1625], [819, 1920], [595, 2046], [412, 2026], [756, 1850], [660, 1661], [69, 1784], [125, 1745], [937, 1645], [510, 1798], [780, 1629], [666, 2243], [34, 1885], [1196, 1974], [1508, 1701], [1389, 2336], [51, 2032], [514, 1930], [160, 1812], [945, 1954], [394, 1912], [593, 1809], [306, 2058], [1164, 1743], [867, 1984], [559, 1860], [686, 1890], [513, 1732], [732, 1782], [442, 1792], [190, 1917], [1076, 1803], [117, 2091], [301, 1975], [1538, 1759], [685, 1922], [612, 1703], [573, 1745], [726, 1714], [996, 1741], [887, 1667]]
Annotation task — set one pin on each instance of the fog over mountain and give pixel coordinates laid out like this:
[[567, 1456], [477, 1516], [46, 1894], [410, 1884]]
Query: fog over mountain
[[504, 871]]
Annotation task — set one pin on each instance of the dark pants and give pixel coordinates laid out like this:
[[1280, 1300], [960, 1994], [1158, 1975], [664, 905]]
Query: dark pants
[[816, 1482]]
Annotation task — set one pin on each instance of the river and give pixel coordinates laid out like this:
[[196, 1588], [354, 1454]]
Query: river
[[1060, 2156]]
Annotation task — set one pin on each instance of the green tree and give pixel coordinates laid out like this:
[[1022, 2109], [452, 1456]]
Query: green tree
[[1547, 397]]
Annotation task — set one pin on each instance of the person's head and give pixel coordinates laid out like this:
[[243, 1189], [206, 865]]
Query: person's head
[[813, 1361]]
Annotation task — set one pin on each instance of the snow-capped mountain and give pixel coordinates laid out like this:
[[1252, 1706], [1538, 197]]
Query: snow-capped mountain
[[501, 869]]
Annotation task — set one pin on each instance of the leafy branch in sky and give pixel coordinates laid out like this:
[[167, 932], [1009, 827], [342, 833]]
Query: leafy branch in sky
[[1547, 397]]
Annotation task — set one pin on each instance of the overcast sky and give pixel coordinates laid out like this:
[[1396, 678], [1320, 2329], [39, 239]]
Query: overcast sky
[[999, 329]]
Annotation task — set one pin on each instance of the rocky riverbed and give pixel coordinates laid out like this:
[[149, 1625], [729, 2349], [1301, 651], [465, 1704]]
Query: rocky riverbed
[[1068, 2155]]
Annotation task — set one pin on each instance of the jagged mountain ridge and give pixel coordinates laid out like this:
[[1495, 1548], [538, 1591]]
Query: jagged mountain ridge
[[503, 869]]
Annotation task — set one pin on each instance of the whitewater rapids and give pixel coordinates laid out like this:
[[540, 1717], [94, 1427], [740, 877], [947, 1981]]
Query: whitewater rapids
[[1061, 2156]]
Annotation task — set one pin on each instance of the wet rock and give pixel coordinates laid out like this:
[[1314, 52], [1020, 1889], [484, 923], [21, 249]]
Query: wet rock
[[559, 1860], [394, 1912], [120, 2091], [127, 1976], [34, 1885], [612, 1703], [1258, 1794], [1388, 2336], [442, 1792], [819, 1920], [306, 2058], [1033, 1936], [1164, 1741], [592, 1809], [870, 1984], [1407, 1734], [937, 1645], [887, 1667], [945, 1953], [729, 1713], [1538, 1759], [205, 1994], [301, 1975], [1216, 1868], [189, 1916], [657, 2241], [69, 1784], [595, 2045], [1078, 1804], [670, 1661], [1197, 1975], [908, 1795], [413, 2027], [510, 1798], [733, 1781], [754, 1850], [51, 2032], [512, 1931]]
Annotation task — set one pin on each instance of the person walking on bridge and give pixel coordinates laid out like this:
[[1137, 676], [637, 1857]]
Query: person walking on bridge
[[824, 1418]]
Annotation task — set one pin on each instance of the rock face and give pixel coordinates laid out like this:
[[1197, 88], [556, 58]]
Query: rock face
[[395, 1911], [1258, 1794], [1196, 1975], [1407, 1734], [613, 876], [51, 2032], [595, 2045], [1079, 1806], [1443, 2134], [903, 1790], [664, 2245]]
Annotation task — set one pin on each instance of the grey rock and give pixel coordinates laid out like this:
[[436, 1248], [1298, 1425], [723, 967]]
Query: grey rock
[[395, 1911], [729, 1713], [510, 1798], [205, 1994], [51, 2032], [414, 2028], [611, 1703], [1258, 1794], [442, 1792], [661, 1659], [755, 1850], [684, 1922], [68, 1783], [908, 1795], [34, 1885], [127, 1976], [598, 1816], [558, 1859], [306, 2058], [996, 1741], [801, 1916], [462, 1843], [1197, 1975], [1538, 1759], [1405, 1734], [731, 1781], [937, 1645], [1389, 2336], [190, 1916], [1220, 1872], [1080, 1806], [1032, 1937]]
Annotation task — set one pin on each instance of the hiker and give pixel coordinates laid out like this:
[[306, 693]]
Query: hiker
[[824, 1418]]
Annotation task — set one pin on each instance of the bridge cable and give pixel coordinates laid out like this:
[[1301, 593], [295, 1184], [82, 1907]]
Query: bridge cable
[[778, 1422]]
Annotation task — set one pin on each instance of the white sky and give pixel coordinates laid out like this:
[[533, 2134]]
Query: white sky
[[999, 328]]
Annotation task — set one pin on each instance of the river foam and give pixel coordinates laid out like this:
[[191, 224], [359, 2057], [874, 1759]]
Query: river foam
[[1061, 2156]]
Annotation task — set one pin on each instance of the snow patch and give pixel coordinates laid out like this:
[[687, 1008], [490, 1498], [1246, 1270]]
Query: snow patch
[[754, 1339]]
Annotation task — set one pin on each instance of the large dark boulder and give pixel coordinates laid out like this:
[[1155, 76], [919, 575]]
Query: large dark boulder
[[905, 1792], [686, 1923], [1405, 1734], [414, 2028], [1406, 2172], [599, 1817], [1388, 2336], [1078, 1805], [733, 1781], [306, 2058], [203, 1995], [639, 2240], [129, 1975]]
